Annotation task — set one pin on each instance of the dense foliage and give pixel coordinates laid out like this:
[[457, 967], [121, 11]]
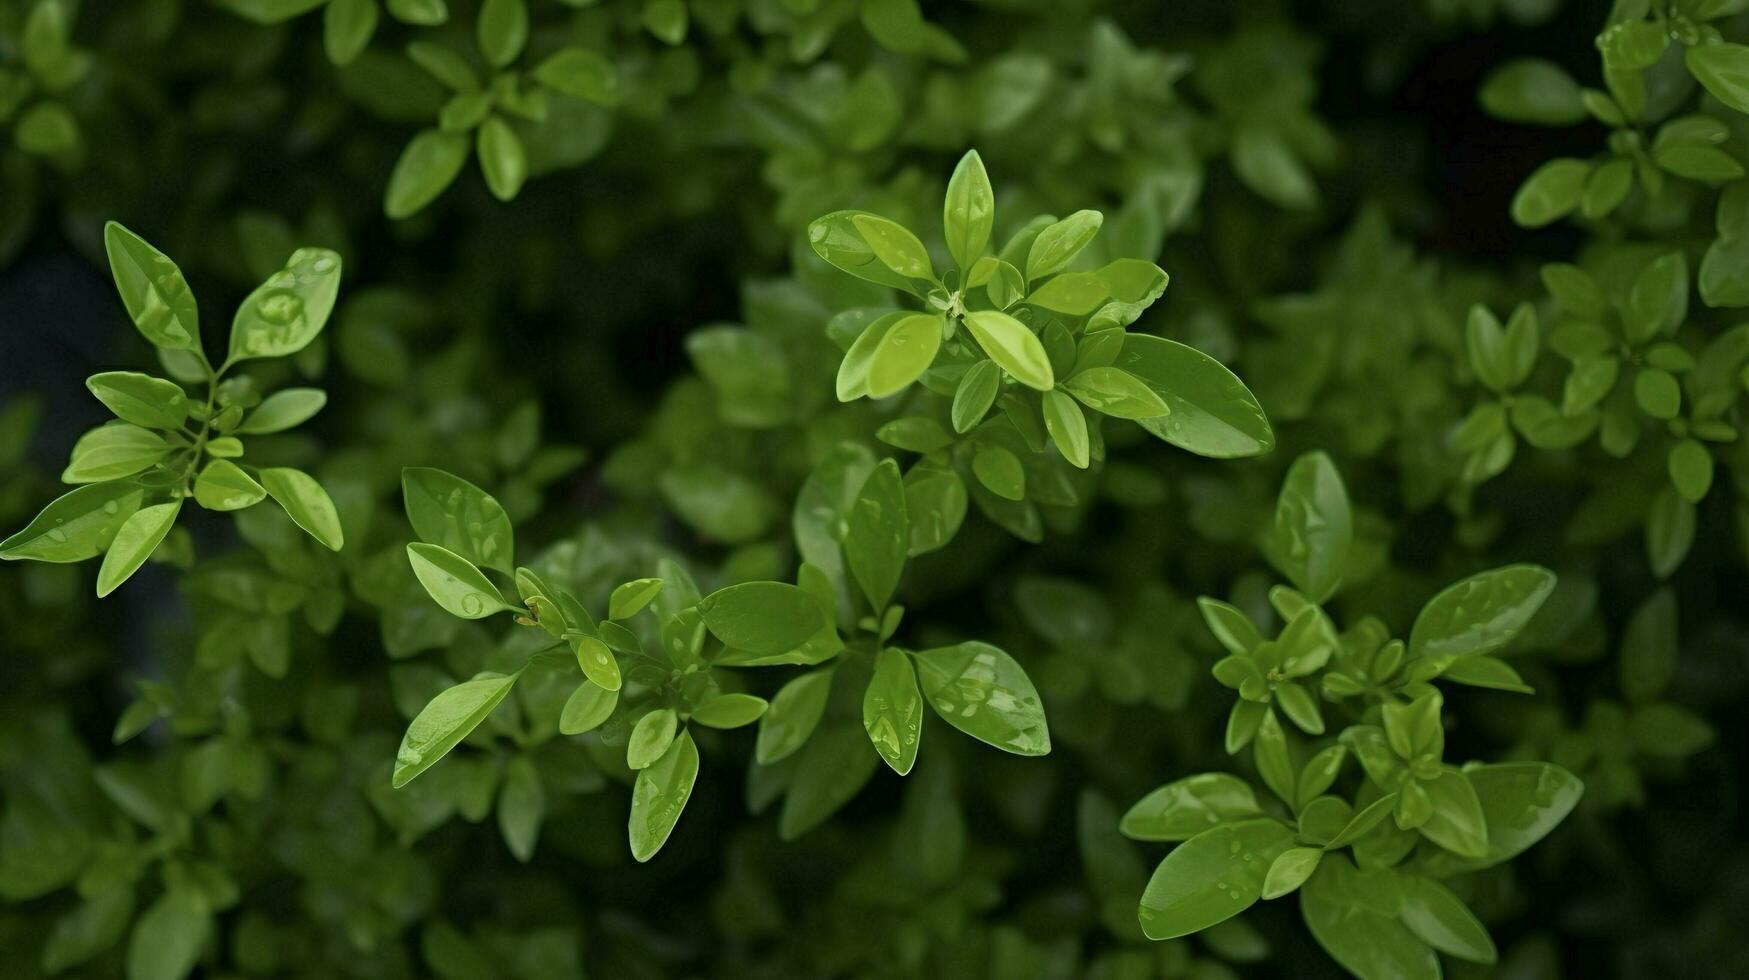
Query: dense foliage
[[1032, 489]]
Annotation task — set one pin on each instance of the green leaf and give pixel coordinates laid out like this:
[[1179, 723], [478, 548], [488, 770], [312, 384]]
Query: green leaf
[[170, 935], [1068, 427], [522, 804], [1117, 393], [1313, 527], [1723, 70], [837, 238], [1532, 90], [981, 691], [134, 542], [1013, 347], [597, 662], [907, 348], [587, 707], [112, 452], [1480, 614], [94, 926], [1670, 530], [650, 738], [1521, 802], [1000, 471], [1550, 193], [502, 30], [1058, 244], [792, 717], [446, 720], [763, 618], [1457, 823], [455, 583], [892, 710], [935, 506], [502, 157], [1210, 411], [828, 773], [449, 511], [1691, 470], [347, 26], [222, 485], [1649, 648], [969, 210], [666, 20], [1353, 915], [1290, 870], [894, 246], [152, 288], [283, 410], [975, 394], [877, 534], [730, 711], [287, 311], [631, 597], [141, 398], [1442, 921], [1211, 877], [425, 169], [77, 525], [581, 74], [306, 503], [1186, 807], [659, 796]]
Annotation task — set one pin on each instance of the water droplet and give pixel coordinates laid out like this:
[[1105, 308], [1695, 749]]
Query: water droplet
[[471, 604], [57, 535], [323, 264], [112, 508]]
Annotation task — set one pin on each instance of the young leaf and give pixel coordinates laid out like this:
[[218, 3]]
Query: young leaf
[[222, 485], [112, 452], [446, 720], [659, 796], [730, 711], [650, 738], [134, 542], [152, 288], [969, 210], [287, 311], [283, 410], [459, 587], [587, 707], [1059, 243], [425, 169], [308, 505], [1068, 427], [1013, 347], [631, 597], [141, 398], [895, 246], [838, 239], [892, 710], [975, 394], [502, 157]]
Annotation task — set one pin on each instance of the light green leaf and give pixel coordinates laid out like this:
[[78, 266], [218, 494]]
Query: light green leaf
[[283, 410], [502, 30], [975, 394], [141, 398], [76, 525], [1290, 870], [650, 738], [895, 246], [287, 311], [152, 288], [112, 452], [730, 711], [502, 158], [907, 348], [222, 485], [659, 796], [892, 710], [453, 581], [308, 505], [425, 170], [969, 210], [138, 537], [446, 720], [587, 707], [449, 511], [837, 238], [1013, 347], [1068, 427], [631, 597], [1117, 393], [1059, 243]]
